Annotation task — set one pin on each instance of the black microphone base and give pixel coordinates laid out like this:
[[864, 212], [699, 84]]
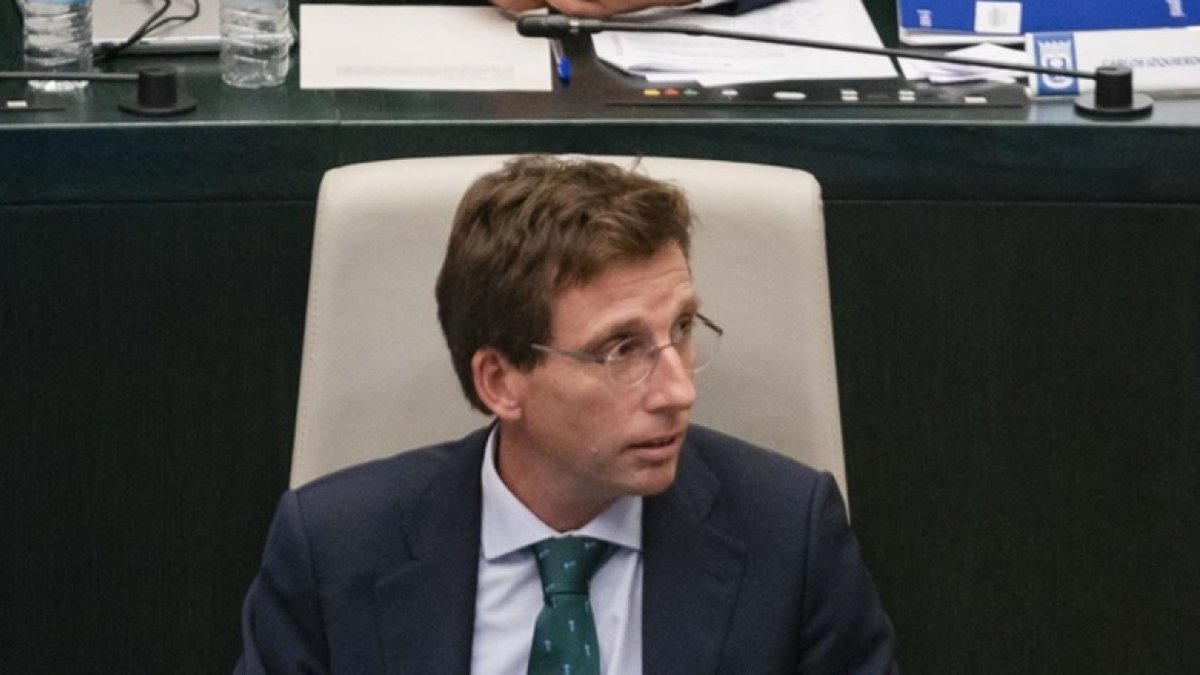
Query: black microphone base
[[158, 94], [183, 105], [1140, 105]]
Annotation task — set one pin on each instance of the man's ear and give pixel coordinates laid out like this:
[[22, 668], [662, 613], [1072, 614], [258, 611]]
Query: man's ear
[[498, 383]]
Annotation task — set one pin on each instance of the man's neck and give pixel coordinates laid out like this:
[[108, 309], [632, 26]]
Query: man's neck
[[545, 495]]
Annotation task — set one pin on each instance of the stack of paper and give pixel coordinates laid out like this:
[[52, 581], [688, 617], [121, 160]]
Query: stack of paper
[[953, 73], [715, 62], [413, 47]]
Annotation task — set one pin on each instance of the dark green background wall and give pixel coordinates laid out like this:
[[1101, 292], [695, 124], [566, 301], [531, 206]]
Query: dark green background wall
[[1020, 390]]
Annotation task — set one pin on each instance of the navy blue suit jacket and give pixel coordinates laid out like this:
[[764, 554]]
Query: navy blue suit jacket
[[750, 568]]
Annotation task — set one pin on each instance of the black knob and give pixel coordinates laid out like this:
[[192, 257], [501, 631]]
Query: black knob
[[1114, 86], [158, 94]]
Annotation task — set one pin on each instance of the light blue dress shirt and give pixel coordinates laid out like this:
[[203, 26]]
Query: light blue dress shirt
[[510, 590]]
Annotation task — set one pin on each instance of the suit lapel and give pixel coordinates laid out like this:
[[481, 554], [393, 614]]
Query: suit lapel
[[427, 606], [692, 573]]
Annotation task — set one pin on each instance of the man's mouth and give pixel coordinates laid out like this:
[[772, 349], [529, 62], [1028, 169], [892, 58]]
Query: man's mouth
[[655, 443]]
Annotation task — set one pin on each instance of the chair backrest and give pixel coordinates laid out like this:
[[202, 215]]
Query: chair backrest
[[377, 378]]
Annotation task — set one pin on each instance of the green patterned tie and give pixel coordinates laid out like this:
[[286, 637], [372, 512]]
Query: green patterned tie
[[564, 638]]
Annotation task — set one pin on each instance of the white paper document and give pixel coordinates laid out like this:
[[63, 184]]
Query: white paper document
[[418, 47], [711, 62], [952, 73]]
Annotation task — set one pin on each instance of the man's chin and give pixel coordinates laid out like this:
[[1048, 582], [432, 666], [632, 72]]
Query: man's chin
[[655, 479]]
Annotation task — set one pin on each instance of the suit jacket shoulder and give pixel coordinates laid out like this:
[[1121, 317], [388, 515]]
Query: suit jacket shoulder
[[388, 491], [372, 569], [750, 566]]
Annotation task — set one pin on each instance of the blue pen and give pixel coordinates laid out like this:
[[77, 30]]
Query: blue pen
[[562, 66]]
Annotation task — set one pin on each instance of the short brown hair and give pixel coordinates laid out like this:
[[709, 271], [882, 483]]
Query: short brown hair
[[532, 229]]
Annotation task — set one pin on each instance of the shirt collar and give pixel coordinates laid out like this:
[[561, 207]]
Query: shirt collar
[[508, 526]]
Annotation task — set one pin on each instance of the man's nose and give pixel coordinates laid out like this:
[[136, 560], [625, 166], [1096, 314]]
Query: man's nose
[[672, 382]]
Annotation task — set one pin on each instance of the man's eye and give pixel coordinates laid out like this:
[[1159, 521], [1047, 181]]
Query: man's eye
[[626, 348], [684, 326]]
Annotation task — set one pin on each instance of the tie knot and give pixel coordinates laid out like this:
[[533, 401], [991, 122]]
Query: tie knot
[[566, 564]]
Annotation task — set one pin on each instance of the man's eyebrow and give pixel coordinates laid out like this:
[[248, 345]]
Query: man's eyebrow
[[626, 327], [636, 325]]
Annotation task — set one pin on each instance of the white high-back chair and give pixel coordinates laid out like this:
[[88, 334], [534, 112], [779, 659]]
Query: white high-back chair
[[377, 378]]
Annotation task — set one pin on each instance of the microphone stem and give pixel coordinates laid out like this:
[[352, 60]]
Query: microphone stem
[[687, 29], [58, 75]]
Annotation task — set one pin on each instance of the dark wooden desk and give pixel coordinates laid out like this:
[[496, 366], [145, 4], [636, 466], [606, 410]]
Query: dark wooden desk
[[1015, 299]]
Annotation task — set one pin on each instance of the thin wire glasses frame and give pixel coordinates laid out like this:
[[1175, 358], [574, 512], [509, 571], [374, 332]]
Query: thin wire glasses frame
[[631, 361]]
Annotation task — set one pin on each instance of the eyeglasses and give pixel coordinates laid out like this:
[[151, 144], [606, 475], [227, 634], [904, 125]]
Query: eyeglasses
[[631, 360]]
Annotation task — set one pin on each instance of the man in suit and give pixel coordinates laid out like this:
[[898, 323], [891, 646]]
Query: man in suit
[[590, 529]]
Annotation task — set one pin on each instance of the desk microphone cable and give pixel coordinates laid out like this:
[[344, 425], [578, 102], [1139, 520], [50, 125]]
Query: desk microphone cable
[[154, 22]]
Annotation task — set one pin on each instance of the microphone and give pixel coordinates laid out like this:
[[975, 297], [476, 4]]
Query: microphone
[[1113, 97], [557, 26], [158, 93]]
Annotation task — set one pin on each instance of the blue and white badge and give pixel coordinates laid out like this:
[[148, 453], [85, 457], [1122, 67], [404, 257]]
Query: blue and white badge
[[1054, 50]]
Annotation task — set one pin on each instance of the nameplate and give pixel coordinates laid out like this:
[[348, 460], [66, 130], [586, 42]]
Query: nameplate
[[1161, 59]]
